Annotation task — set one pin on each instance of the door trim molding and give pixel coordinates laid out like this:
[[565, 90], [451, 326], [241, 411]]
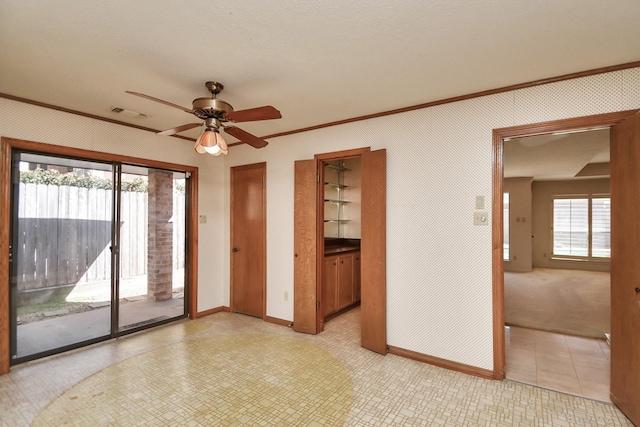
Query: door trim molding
[[499, 136], [263, 232], [9, 144]]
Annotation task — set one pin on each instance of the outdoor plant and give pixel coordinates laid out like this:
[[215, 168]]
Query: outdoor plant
[[54, 177]]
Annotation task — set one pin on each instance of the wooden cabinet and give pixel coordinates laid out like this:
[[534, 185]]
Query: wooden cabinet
[[341, 282]]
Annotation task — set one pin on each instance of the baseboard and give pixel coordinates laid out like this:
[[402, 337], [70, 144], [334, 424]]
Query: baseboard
[[211, 311], [442, 363], [277, 321]]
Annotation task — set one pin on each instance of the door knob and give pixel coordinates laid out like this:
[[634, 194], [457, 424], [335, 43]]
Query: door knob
[[235, 250], [637, 290]]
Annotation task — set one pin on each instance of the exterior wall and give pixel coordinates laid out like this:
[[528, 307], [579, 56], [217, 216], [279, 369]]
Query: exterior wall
[[439, 284], [520, 224], [160, 236]]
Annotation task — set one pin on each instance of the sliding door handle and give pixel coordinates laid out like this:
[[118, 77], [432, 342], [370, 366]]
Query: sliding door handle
[[235, 250]]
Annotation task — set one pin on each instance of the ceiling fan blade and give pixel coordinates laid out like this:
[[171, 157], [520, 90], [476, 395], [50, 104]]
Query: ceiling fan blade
[[245, 137], [170, 104], [179, 129], [253, 114]]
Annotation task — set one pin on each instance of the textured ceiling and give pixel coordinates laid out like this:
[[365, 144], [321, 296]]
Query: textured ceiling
[[556, 157], [316, 61]]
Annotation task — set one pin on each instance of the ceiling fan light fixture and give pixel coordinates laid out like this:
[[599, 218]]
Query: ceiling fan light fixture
[[211, 142], [199, 148], [214, 112]]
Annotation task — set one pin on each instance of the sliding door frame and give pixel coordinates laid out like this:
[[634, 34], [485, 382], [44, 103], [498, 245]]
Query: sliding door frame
[[8, 145]]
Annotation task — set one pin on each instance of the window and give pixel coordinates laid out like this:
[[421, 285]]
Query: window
[[581, 227], [601, 227], [505, 218]]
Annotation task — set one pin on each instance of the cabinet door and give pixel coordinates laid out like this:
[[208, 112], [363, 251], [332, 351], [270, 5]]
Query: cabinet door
[[356, 277], [345, 280], [330, 286]]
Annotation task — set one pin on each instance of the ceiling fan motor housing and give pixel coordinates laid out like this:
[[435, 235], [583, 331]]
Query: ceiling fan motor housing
[[205, 108]]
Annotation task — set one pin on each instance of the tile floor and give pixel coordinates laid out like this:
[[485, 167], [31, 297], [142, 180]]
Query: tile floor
[[378, 390], [565, 363]]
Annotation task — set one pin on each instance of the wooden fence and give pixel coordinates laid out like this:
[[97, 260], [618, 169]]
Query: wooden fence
[[64, 235]]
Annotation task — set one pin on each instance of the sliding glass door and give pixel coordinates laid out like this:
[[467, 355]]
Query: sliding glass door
[[98, 250], [151, 246]]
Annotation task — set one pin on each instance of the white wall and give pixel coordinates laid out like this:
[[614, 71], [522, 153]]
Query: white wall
[[32, 123], [439, 159], [520, 224]]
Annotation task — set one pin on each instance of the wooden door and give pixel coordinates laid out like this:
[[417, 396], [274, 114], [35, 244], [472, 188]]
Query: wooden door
[[625, 274], [373, 252], [248, 239], [306, 315], [329, 286]]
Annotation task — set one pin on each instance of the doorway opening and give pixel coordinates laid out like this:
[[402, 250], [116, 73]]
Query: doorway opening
[[556, 261], [341, 234], [309, 244], [625, 247]]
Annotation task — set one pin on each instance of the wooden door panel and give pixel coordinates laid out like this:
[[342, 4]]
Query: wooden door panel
[[345, 280], [625, 275], [305, 318], [248, 231], [356, 278], [373, 252], [330, 286]]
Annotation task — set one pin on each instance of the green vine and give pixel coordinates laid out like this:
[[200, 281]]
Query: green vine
[[54, 177]]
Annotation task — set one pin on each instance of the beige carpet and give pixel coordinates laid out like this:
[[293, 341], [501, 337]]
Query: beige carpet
[[571, 302]]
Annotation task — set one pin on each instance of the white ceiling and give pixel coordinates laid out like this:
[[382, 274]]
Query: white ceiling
[[316, 61], [557, 157]]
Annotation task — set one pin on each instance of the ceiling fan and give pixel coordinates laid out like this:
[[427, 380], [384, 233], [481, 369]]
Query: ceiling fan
[[214, 112]]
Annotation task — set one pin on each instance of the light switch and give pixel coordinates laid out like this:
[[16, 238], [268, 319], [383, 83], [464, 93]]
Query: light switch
[[481, 218], [479, 202], [202, 219]]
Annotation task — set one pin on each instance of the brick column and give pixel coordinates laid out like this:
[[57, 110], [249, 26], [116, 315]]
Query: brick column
[[160, 236]]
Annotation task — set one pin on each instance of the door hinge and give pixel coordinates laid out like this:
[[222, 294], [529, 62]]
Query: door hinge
[[317, 305], [262, 183], [318, 178]]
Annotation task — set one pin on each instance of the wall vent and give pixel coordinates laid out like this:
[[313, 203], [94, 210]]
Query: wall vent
[[128, 113]]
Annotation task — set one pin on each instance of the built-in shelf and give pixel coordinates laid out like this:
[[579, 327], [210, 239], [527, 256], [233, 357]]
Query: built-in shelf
[[336, 185], [335, 192], [336, 167], [336, 201]]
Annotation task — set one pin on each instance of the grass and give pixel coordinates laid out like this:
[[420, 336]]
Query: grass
[[35, 312]]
